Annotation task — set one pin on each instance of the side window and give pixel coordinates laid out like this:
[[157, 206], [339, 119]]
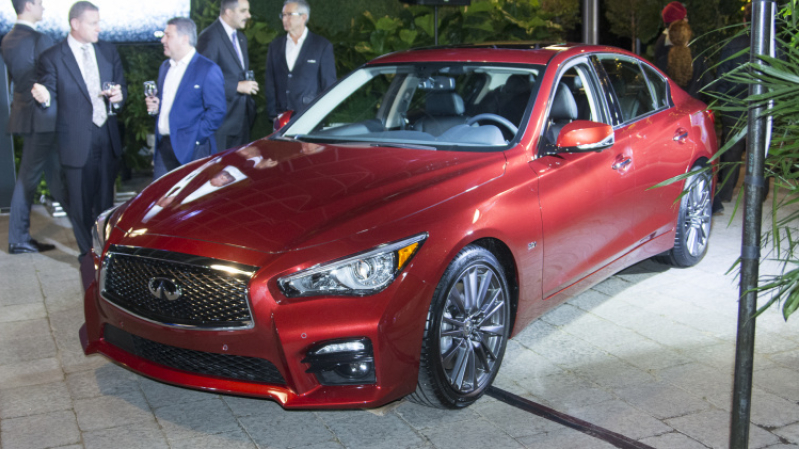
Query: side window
[[575, 98], [630, 86], [660, 87]]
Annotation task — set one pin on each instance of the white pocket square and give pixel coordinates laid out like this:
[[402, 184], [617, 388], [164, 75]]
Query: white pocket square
[[312, 61], [196, 86]]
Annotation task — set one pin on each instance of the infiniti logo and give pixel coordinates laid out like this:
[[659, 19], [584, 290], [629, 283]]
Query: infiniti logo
[[164, 288]]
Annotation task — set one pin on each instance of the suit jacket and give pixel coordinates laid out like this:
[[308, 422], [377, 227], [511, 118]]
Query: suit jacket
[[58, 71], [198, 108], [661, 51], [21, 49], [314, 71], [699, 79], [727, 64], [215, 44]]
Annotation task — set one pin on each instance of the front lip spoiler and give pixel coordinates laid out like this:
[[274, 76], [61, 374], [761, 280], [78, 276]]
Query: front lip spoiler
[[281, 394], [321, 397]]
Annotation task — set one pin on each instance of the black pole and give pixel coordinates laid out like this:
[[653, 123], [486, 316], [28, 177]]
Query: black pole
[[591, 22], [763, 12]]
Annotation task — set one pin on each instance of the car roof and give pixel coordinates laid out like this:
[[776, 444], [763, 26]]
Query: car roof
[[500, 52]]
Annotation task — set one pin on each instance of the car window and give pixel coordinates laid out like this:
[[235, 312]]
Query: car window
[[630, 86], [660, 87], [439, 105], [575, 96], [364, 104]]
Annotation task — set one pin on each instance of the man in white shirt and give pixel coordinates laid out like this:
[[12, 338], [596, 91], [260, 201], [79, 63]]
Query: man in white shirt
[[190, 103], [299, 65]]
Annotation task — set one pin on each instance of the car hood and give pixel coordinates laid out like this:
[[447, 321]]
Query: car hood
[[275, 196]]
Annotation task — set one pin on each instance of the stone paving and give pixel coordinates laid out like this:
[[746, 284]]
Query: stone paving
[[647, 354]]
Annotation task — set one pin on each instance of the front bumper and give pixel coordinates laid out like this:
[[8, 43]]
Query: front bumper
[[280, 339]]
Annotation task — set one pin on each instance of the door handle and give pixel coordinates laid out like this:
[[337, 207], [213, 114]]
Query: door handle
[[621, 164], [680, 135]]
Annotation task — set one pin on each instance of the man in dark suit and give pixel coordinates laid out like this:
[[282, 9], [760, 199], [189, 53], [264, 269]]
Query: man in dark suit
[[190, 102], [223, 43], [21, 49], [299, 65], [71, 72]]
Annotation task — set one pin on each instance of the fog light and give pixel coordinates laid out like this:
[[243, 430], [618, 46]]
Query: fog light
[[342, 362]]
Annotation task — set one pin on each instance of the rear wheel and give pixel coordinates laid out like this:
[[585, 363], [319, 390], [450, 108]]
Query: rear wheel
[[466, 331], [693, 224]]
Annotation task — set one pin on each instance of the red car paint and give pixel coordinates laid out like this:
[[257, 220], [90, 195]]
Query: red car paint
[[561, 222]]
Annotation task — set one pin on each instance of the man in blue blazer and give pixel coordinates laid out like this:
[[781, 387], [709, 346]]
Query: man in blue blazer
[[190, 102], [72, 73], [299, 65]]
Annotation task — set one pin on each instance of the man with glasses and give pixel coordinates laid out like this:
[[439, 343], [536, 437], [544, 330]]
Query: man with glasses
[[299, 65]]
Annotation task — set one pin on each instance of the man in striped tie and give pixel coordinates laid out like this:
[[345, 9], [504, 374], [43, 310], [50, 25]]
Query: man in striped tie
[[223, 43]]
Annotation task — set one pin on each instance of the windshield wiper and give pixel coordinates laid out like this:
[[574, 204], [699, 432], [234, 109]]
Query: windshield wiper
[[404, 145]]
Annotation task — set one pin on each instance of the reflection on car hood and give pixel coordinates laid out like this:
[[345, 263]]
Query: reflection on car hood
[[275, 196]]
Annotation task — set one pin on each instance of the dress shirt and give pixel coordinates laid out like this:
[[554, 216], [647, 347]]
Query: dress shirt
[[293, 50], [77, 50], [171, 83], [229, 30]]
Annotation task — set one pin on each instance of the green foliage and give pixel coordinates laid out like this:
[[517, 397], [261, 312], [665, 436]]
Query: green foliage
[[259, 35], [780, 78], [483, 21], [635, 19], [204, 13], [141, 63]]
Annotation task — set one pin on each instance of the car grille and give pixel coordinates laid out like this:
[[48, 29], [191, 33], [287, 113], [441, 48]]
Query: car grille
[[221, 365], [208, 298]]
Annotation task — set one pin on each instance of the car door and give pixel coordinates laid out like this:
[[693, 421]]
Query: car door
[[587, 199], [657, 135]]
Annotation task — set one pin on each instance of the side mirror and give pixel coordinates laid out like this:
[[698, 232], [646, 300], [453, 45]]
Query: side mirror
[[582, 136], [282, 120]]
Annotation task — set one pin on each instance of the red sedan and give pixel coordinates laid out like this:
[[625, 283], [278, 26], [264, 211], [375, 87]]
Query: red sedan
[[391, 239]]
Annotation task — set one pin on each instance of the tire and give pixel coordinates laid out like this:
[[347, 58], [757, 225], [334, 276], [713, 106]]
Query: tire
[[466, 332], [693, 222]]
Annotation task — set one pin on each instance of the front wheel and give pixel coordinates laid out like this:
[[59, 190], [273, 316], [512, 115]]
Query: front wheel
[[693, 223], [466, 331]]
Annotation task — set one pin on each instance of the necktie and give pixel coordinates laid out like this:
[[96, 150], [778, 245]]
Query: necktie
[[235, 40], [91, 76]]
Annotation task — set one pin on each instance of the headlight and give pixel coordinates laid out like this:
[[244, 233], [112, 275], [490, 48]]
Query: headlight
[[101, 231], [358, 275]]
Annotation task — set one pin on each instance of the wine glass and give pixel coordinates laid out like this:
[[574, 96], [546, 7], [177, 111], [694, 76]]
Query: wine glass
[[150, 90], [249, 75], [107, 86]]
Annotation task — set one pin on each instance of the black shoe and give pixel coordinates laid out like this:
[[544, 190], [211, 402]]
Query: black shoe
[[31, 246]]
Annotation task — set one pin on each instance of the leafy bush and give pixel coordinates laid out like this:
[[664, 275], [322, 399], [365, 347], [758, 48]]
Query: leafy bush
[[780, 78]]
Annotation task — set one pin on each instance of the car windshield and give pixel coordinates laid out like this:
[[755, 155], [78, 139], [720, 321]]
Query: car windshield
[[452, 106]]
